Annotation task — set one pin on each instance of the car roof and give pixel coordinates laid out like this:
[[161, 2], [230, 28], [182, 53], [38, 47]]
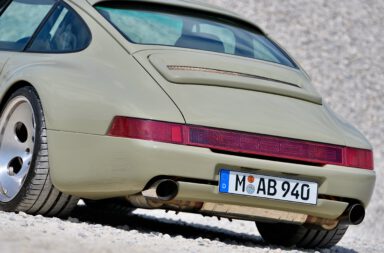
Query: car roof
[[191, 4]]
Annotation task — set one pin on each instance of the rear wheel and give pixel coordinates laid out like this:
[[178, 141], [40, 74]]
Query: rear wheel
[[25, 183], [297, 235]]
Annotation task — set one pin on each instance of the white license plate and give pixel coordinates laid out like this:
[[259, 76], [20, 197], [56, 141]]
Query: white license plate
[[261, 186]]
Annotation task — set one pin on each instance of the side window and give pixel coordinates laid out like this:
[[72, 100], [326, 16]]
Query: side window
[[63, 32], [20, 20]]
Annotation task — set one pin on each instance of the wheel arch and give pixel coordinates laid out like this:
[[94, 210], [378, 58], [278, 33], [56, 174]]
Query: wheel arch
[[37, 194], [11, 89]]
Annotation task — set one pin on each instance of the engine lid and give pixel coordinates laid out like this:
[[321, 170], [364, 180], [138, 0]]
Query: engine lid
[[209, 69], [243, 103]]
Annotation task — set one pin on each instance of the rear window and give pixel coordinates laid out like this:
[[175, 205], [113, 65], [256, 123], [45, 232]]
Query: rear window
[[158, 26]]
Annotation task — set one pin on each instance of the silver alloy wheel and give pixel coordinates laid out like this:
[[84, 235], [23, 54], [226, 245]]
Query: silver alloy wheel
[[17, 138]]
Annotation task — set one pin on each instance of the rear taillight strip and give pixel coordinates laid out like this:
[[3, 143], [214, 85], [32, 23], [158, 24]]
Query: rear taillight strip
[[241, 142]]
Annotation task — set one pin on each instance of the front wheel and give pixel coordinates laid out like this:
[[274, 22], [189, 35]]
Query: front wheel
[[25, 183], [288, 235]]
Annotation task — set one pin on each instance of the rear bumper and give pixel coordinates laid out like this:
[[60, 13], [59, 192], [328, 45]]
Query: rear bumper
[[93, 166]]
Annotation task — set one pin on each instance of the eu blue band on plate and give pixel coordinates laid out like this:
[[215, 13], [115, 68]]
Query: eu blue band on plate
[[224, 181]]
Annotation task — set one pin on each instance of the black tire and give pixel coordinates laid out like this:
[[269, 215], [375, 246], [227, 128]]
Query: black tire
[[116, 206], [289, 235], [36, 193]]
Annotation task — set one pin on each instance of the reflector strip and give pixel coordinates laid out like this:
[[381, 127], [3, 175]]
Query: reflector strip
[[264, 145], [241, 142]]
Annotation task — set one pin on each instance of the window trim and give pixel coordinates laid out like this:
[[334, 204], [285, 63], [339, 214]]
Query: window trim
[[36, 30], [41, 25], [59, 4], [6, 4]]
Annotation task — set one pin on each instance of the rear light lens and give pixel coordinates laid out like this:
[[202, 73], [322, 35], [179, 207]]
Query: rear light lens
[[241, 142], [147, 130], [359, 158]]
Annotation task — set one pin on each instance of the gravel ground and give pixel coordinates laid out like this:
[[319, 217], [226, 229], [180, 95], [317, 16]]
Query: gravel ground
[[341, 45]]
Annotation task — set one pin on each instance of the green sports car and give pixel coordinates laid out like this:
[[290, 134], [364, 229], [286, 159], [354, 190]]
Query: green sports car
[[172, 105]]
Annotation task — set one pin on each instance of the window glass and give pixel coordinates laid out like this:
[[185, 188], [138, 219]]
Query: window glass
[[263, 51], [169, 27], [225, 35], [64, 31], [20, 20], [146, 27]]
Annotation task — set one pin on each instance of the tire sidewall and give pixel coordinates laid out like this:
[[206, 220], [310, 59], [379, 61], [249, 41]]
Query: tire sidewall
[[30, 94]]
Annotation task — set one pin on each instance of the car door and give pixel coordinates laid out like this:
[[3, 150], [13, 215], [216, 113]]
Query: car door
[[19, 20]]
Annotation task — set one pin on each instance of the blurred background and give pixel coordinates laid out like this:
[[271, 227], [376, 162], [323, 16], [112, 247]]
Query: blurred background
[[340, 43]]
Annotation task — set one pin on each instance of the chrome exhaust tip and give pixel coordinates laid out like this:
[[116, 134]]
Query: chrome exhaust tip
[[165, 190], [354, 215]]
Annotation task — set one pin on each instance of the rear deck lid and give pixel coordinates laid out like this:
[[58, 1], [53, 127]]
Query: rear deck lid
[[181, 67], [235, 93]]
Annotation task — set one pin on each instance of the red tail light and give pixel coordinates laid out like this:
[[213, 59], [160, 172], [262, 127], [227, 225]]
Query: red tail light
[[147, 130], [240, 142], [358, 158]]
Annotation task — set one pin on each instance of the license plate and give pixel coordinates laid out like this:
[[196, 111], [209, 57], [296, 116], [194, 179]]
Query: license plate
[[268, 187]]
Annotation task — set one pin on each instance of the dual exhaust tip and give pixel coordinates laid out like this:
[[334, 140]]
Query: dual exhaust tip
[[167, 190]]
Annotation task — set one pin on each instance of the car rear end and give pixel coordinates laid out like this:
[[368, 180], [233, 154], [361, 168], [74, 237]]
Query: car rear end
[[257, 141]]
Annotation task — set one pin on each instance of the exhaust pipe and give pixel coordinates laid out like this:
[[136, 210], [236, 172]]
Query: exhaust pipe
[[162, 193], [164, 190], [354, 215]]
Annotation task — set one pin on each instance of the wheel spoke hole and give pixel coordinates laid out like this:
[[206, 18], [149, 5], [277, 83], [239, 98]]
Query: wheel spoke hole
[[21, 132], [15, 166]]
